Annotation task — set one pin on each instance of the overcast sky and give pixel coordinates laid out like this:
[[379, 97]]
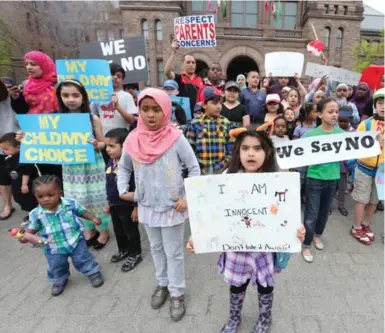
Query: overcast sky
[[376, 4]]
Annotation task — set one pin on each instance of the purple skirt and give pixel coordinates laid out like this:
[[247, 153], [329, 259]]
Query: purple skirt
[[238, 267]]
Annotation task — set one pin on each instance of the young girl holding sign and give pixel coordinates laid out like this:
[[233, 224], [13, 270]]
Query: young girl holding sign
[[157, 152], [253, 152], [86, 183], [321, 182]]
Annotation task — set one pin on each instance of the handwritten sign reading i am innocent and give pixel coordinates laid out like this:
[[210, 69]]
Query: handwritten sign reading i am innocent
[[245, 212], [56, 139]]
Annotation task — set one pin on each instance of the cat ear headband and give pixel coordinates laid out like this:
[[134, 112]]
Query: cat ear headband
[[237, 131]]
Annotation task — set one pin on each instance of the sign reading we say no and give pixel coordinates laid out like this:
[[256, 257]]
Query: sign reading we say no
[[130, 53]]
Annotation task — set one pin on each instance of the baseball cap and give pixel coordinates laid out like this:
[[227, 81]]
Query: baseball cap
[[272, 98], [198, 107], [171, 84], [345, 111], [210, 94], [7, 80], [379, 94], [231, 84]]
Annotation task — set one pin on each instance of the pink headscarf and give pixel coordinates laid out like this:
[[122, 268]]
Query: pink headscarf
[[147, 146], [314, 84], [39, 92]]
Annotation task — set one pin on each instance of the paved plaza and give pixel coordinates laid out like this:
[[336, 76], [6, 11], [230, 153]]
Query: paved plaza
[[341, 292]]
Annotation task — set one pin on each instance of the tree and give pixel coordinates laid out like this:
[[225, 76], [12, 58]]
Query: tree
[[366, 54]]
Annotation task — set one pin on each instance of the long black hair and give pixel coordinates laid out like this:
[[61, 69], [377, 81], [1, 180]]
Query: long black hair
[[3, 91], [85, 107], [270, 162]]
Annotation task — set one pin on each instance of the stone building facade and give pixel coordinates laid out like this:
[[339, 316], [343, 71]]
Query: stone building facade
[[247, 32]]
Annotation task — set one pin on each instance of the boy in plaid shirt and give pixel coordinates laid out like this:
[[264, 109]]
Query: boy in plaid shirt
[[209, 135], [57, 220]]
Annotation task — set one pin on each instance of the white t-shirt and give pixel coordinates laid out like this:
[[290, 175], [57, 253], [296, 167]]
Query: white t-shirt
[[110, 117]]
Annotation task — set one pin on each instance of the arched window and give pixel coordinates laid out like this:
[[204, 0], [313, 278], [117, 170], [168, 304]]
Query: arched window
[[145, 29], [29, 21], [340, 37], [327, 37], [158, 30]]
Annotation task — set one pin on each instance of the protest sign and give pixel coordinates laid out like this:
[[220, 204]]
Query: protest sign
[[195, 31], [254, 212], [184, 102], [56, 138], [130, 53], [333, 73], [327, 148], [94, 75], [380, 181], [284, 63]]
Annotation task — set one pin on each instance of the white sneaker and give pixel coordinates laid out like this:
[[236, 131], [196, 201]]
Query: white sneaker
[[319, 245]]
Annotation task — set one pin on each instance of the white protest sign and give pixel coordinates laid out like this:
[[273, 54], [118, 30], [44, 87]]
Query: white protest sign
[[327, 148], [333, 73], [195, 31], [254, 212], [284, 63]]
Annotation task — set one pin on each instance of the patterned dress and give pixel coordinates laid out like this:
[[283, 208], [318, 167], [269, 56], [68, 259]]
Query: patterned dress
[[86, 183]]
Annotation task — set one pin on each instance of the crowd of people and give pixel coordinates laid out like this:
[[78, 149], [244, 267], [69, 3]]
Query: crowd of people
[[145, 146]]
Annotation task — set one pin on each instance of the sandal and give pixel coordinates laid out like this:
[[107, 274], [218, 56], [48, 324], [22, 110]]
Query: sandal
[[343, 211], [92, 241], [360, 235], [9, 211]]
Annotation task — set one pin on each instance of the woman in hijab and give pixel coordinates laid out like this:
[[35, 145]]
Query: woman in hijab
[[361, 97], [38, 94], [241, 80]]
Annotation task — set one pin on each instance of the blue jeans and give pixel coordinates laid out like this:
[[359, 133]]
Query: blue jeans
[[82, 259], [319, 198]]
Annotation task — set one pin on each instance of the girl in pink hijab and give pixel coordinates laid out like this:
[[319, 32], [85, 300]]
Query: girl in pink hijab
[[39, 91], [157, 153]]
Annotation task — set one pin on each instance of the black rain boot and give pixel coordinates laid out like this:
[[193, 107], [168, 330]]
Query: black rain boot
[[264, 319], [236, 304]]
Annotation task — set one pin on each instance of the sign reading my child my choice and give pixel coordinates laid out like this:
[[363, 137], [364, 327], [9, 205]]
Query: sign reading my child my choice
[[130, 53], [94, 74], [195, 31], [56, 139], [327, 148], [257, 212]]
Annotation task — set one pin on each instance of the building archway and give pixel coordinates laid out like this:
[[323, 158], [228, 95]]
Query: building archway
[[243, 51], [202, 68], [240, 65]]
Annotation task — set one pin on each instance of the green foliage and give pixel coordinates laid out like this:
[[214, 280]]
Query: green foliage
[[366, 54]]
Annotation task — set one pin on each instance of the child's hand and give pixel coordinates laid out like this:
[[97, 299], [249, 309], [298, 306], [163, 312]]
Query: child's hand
[[190, 245], [94, 142], [181, 205], [96, 221], [19, 135], [115, 100], [24, 189], [380, 138], [301, 232], [296, 77], [134, 215], [107, 209]]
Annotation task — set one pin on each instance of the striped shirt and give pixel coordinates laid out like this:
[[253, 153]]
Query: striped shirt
[[211, 143], [62, 229]]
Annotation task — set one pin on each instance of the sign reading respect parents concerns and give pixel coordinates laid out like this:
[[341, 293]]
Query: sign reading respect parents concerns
[[94, 74], [195, 31], [130, 53], [333, 73], [56, 139], [257, 212], [327, 148]]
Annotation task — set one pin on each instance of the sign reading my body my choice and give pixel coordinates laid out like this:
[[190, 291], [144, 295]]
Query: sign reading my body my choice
[[56, 139], [130, 53], [94, 74]]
